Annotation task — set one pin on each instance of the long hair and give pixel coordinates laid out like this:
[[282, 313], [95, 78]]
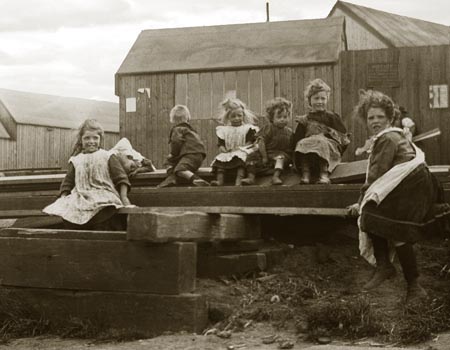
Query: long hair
[[229, 105], [87, 125], [374, 99]]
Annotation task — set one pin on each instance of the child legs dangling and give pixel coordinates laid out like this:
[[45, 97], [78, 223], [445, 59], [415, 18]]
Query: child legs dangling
[[240, 174], [279, 164], [323, 172], [192, 178], [220, 178], [305, 168]]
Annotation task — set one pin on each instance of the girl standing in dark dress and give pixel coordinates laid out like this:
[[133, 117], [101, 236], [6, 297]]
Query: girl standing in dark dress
[[400, 200]]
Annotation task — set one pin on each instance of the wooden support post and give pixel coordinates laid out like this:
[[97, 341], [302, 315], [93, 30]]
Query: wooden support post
[[157, 226]]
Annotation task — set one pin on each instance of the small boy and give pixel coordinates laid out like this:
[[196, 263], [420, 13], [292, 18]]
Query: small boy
[[187, 151]]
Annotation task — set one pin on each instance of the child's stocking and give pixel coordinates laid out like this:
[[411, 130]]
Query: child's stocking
[[220, 177], [239, 176], [306, 172]]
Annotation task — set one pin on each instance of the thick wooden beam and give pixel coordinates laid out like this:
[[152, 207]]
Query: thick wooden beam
[[97, 264], [146, 314], [186, 226]]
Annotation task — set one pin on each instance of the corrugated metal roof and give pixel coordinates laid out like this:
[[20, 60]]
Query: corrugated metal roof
[[57, 111], [236, 46], [397, 31]]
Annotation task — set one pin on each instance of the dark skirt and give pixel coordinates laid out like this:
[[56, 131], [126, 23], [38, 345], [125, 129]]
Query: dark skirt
[[234, 163], [413, 211]]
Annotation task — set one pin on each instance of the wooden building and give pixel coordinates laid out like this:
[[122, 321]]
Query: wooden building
[[403, 57], [200, 66], [38, 131], [367, 28]]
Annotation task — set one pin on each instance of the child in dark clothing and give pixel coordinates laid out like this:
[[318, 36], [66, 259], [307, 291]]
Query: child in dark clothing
[[236, 137], [187, 151], [95, 186], [320, 137], [274, 143]]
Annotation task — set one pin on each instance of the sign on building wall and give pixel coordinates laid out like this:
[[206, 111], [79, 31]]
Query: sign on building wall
[[382, 74], [130, 104], [438, 96]]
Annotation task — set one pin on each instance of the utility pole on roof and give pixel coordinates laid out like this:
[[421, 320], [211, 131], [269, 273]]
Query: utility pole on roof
[[267, 12]]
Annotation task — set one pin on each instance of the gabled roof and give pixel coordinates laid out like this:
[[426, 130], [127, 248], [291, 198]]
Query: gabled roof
[[59, 112], [236, 46], [395, 30]]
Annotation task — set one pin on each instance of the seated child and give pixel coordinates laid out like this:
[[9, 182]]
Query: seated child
[[187, 151], [274, 143], [236, 137], [95, 186], [320, 138]]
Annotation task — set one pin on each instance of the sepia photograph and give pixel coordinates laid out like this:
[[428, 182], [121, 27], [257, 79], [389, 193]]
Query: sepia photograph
[[254, 174]]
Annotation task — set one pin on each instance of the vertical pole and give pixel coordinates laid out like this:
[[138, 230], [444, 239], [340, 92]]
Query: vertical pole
[[267, 12]]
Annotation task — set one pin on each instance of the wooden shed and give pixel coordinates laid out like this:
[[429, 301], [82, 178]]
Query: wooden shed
[[200, 66], [38, 131], [367, 28]]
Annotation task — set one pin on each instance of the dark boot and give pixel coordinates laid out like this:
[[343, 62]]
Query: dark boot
[[407, 258], [384, 269]]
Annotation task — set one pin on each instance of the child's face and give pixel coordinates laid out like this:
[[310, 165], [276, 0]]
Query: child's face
[[280, 119], [377, 120], [319, 101], [128, 164], [236, 117], [90, 141]]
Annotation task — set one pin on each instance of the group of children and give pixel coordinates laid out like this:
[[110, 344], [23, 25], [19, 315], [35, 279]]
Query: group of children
[[97, 181], [247, 150]]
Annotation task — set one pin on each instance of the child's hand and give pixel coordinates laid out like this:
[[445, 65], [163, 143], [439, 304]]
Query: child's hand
[[265, 161], [353, 210], [222, 149]]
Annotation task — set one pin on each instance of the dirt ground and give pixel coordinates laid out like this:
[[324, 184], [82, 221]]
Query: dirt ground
[[313, 297]]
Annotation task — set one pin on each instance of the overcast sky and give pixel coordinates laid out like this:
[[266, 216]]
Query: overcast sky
[[74, 47]]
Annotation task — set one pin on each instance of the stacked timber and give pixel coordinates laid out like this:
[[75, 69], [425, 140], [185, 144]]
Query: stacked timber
[[104, 279]]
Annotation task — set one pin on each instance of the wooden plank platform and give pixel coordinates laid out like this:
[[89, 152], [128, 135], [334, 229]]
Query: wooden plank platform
[[79, 262], [146, 314]]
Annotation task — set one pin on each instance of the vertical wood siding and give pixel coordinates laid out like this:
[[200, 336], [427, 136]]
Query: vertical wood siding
[[418, 68], [39, 147], [148, 127]]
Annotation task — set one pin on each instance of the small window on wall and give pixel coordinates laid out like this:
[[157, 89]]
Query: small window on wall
[[438, 96]]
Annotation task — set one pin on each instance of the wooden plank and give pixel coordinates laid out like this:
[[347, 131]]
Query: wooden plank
[[103, 265], [190, 226], [63, 234], [282, 211], [137, 313], [181, 86]]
